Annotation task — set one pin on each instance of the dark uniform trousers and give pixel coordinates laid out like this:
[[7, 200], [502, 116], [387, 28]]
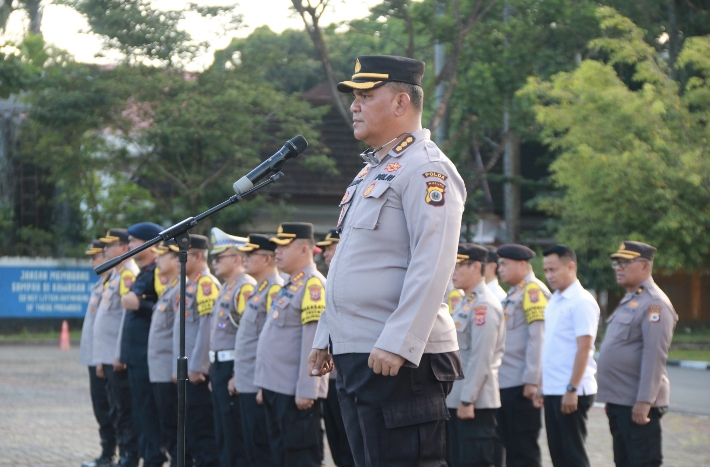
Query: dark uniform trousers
[[471, 443], [519, 424], [199, 425], [227, 418], [567, 434], [120, 397], [166, 402], [635, 445], [293, 433], [335, 429], [102, 411], [396, 421], [256, 438], [145, 416]]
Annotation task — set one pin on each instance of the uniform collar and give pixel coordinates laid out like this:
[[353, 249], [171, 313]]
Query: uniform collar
[[308, 270], [419, 135], [572, 290]]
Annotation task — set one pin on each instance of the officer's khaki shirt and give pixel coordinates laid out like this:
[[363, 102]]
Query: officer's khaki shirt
[[160, 337], [87, 329], [287, 338], [108, 324], [197, 302], [525, 330], [206, 292], [228, 310], [480, 328], [400, 222], [632, 360], [250, 327]]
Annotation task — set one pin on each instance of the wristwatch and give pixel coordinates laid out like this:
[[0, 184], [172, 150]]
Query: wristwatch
[[465, 404], [571, 388]]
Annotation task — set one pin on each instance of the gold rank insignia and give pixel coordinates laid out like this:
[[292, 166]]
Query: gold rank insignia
[[435, 192], [404, 144], [368, 190], [358, 67]]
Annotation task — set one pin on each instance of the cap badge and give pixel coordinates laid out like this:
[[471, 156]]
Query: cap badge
[[358, 67]]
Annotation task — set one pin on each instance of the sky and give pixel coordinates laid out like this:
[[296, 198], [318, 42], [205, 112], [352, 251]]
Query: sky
[[67, 29]]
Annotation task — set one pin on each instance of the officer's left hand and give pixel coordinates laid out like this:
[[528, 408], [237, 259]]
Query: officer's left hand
[[130, 301], [639, 414], [320, 362], [304, 404], [384, 362], [465, 412], [529, 391], [569, 403], [196, 377], [118, 366]]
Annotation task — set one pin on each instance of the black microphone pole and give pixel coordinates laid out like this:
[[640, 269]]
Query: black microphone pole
[[182, 238]]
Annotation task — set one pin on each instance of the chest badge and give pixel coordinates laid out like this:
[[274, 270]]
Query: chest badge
[[275, 314], [393, 167]]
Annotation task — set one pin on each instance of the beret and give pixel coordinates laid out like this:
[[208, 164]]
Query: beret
[[144, 230], [516, 252]]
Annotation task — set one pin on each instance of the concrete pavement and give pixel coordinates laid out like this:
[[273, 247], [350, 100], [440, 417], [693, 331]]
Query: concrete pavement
[[46, 418]]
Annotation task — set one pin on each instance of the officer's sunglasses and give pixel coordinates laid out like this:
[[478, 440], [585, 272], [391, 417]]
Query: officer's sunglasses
[[623, 263]]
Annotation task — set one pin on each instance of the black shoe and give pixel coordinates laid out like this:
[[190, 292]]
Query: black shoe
[[129, 461], [102, 461]]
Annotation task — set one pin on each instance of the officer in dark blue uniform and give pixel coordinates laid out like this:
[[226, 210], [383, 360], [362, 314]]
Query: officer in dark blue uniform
[[139, 304]]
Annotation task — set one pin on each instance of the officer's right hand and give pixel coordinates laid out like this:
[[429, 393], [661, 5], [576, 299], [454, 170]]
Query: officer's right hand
[[118, 366], [230, 387], [100, 371], [304, 404], [260, 397], [320, 362], [196, 377], [385, 363], [529, 391]]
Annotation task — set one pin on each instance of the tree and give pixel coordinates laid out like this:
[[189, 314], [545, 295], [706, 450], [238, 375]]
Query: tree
[[634, 162]]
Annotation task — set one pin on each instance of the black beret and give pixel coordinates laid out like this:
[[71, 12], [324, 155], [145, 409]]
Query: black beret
[[492, 255], [199, 241], [632, 250], [290, 231], [95, 247], [257, 242], [332, 237], [516, 252], [115, 235], [372, 71], [471, 252], [144, 230]]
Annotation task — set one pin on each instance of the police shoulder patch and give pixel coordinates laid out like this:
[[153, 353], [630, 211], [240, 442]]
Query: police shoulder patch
[[242, 297], [453, 299], [435, 194], [534, 303], [434, 175], [654, 313], [207, 292], [127, 278], [313, 302]]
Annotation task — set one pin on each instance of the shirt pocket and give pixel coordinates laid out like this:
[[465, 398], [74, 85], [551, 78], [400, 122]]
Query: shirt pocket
[[368, 211], [622, 325]]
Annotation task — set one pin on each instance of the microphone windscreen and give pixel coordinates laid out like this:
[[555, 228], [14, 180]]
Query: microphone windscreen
[[300, 143]]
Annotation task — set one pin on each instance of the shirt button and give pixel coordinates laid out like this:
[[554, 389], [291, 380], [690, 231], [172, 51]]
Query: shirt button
[[411, 349]]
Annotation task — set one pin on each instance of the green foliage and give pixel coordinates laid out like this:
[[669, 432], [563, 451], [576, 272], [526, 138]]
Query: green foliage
[[632, 164]]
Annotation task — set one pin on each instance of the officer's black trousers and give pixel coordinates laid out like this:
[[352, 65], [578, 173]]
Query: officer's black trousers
[[471, 443], [335, 429], [227, 418], [145, 416], [256, 438], [519, 424], [121, 400], [567, 434], [102, 411], [635, 445], [394, 421], [293, 433], [199, 429], [165, 395]]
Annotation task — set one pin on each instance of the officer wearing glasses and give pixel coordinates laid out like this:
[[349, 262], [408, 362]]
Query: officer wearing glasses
[[632, 373]]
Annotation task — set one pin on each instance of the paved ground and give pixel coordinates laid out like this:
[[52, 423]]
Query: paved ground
[[46, 418]]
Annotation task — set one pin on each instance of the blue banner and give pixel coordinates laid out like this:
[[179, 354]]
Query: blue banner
[[38, 288]]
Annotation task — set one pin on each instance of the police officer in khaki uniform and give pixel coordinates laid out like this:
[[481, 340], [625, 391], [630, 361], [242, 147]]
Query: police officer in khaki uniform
[[201, 292], [228, 264], [289, 394], [107, 343], [261, 265], [332, 415], [97, 386], [632, 373], [480, 328], [393, 339], [160, 346], [520, 374]]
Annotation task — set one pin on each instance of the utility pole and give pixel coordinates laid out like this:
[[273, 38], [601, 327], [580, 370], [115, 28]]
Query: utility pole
[[511, 166]]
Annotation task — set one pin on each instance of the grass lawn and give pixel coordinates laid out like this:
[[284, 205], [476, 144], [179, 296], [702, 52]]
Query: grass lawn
[[694, 355], [50, 335]]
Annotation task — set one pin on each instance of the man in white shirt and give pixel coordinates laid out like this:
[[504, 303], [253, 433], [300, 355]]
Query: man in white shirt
[[568, 366], [491, 274]]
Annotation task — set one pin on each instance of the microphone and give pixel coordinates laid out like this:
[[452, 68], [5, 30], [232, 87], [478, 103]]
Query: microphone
[[291, 149]]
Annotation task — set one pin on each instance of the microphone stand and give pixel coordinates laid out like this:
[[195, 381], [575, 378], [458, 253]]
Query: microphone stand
[[182, 238]]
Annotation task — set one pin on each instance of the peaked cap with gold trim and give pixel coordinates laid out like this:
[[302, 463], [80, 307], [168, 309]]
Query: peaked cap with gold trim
[[165, 246], [372, 71], [332, 237], [633, 250], [290, 231], [115, 235], [471, 252], [257, 242], [95, 247]]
